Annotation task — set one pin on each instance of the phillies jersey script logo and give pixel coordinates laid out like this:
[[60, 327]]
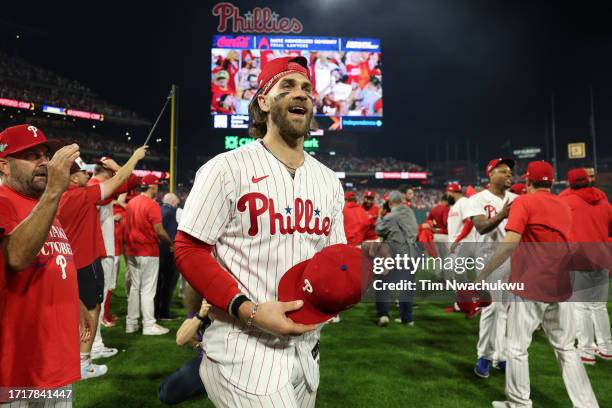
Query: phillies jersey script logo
[[302, 221], [491, 211]]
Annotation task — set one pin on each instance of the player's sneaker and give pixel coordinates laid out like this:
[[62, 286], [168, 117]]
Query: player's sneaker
[[154, 330], [383, 321], [132, 328], [335, 319], [482, 367], [103, 352], [604, 355], [108, 323], [93, 371], [500, 365], [501, 404], [398, 320]]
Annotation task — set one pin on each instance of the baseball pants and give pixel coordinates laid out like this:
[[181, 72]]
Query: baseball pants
[[43, 403], [591, 313], [110, 280], [492, 332], [557, 320], [143, 271], [225, 395]]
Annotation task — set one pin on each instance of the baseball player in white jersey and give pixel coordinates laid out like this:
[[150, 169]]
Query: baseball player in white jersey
[[457, 217], [259, 210], [538, 231], [488, 211]]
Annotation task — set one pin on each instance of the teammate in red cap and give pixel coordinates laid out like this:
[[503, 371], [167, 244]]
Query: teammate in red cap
[[591, 229], [488, 211], [356, 220], [519, 188], [369, 205], [79, 216], [538, 231], [143, 230], [39, 302], [252, 214], [105, 169]]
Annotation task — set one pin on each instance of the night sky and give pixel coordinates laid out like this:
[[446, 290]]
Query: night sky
[[477, 71]]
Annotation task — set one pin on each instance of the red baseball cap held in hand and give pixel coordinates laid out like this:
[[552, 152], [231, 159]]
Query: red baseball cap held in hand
[[18, 138], [277, 68], [149, 180], [577, 176], [539, 170], [328, 283], [496, 162]]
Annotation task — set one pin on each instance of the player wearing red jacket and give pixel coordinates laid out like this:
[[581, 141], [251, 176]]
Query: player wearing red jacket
[[373, 211], [591, 228], [356, 220]]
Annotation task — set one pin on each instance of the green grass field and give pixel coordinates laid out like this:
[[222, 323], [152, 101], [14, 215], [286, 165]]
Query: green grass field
[[362, 365]]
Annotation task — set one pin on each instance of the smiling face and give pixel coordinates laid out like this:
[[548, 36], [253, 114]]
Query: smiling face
[[289, 104], [26, 171], [501, 176]]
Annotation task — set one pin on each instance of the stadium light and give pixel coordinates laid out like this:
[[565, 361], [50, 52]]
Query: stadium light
[[129, 138], [127, 133], [93, 126]]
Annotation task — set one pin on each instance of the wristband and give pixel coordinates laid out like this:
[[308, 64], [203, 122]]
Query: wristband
[[235, 304], [200, 318], [252, 316]]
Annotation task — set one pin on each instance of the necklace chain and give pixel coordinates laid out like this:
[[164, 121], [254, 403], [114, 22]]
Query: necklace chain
[[291, 170]]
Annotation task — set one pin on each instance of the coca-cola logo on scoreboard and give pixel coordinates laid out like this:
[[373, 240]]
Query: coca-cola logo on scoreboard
[[258, 20]]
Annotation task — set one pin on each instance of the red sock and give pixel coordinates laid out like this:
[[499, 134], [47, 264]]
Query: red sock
[[107, 312]]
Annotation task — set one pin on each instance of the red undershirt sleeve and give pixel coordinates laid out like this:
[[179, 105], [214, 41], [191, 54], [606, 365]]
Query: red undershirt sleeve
[[194, 260], [467, 228]]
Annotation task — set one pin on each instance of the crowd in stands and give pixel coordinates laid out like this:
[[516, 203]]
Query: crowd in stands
[[424, 198], [23, 81], [367, 164]]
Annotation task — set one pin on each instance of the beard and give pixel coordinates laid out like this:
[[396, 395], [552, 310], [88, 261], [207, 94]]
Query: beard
[[450, 199], [289, 130], [32, 185]]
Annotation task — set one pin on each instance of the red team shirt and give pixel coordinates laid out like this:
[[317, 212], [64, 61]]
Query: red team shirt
[[373, 214], [140, 237], [119, 210], [356, 223], [79, 216], [39, 308], [540, 262], [439, 215]]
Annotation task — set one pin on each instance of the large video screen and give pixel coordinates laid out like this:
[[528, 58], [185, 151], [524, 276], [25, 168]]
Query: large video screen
[[346, 75]]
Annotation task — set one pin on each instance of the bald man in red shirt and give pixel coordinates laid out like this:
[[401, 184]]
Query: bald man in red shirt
[[538, 234]]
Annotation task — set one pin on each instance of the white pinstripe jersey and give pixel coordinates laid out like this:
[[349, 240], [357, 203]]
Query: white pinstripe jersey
[[261, 223]]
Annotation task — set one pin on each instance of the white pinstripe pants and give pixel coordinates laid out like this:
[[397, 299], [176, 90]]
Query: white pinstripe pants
[[557, 320], [223, 394], [143, 271], [492, 332]]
